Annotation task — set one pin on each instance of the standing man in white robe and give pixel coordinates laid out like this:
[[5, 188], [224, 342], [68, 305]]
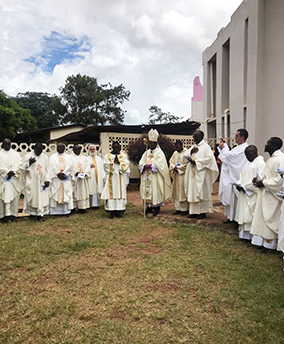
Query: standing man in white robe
[[60, 175], [114, 192], [201, 173], [81, 175], [232, 164], [177, 171], [247, 191], [265, 223], [35, 167], [11, 184], [97, 176], [155, 186]]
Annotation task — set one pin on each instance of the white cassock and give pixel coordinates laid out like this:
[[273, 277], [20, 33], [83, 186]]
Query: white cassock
[[96, 179], [10, 189], [199, 178], [178, 194], [81, 188], [155, 186], [232, 164], [247, 199], [61, 193], [114, 192], [280, 245], [265, 223], [36, 200]]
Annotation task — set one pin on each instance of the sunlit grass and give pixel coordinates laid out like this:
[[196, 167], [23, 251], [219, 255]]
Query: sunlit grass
[[91, 279]]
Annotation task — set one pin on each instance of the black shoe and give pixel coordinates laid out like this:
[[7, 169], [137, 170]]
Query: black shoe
[[118, 214], [228, 221], [176, 212], [149, 210], [201, 216], [192, 216], [156, 211], [111, 215], [184, 213]]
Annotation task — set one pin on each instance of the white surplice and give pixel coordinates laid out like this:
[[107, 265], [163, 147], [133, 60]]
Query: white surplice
[[61, 193], [81, 188], [199, 178], [114, 192], [265, 223], [10, 189], [247, 199], [155, 186], [232, 164], [96, 179], [36, 200], [178, 193]]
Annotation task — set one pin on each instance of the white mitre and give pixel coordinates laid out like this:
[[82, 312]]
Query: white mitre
[[153, 135]]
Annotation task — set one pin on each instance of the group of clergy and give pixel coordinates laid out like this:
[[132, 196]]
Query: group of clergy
[[55, 185], [250, 189], [192, 171]]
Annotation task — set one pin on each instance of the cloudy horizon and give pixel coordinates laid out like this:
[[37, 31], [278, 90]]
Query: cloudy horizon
[[154, 48]]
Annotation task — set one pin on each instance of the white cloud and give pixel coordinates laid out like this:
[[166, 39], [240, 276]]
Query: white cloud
[[153, 47]]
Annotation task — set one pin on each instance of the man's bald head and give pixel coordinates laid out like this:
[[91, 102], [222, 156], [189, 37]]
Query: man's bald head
[[6, 144], [251, 152]]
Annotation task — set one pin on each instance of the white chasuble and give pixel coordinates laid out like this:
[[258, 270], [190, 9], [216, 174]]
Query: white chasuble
[[81, 188], [10, 189], [61, 192], [114, 192], [97, 174], [247, 199], [177, 171], [199, 178], [36, 200], [265, 223], [155, 186]]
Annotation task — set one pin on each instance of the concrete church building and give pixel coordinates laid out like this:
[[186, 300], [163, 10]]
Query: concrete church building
[[244, 74]]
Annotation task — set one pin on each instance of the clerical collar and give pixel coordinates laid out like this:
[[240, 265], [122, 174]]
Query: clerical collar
[[115, 153]]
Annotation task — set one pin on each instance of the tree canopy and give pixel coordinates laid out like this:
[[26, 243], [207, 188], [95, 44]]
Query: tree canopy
[[13, 118], [44, 107], [137, 147], [90, 103], [157, 116]]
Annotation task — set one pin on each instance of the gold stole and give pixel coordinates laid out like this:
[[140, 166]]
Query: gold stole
[[96, 167], [62, 167], [110, 176], [120, 159]]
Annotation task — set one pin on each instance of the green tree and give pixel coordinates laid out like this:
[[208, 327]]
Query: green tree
[[157, 116], [92, 104], [13, 118], [45, 108]]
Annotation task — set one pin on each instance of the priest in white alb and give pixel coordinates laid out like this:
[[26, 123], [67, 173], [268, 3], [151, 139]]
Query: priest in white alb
[[60, 175], [266, 220], [97, 176], [247, 191], [201, 172], [81, 175], [35, 167], [11, 184], [155, 186], [177, 171], [114, 192], [232, 164]]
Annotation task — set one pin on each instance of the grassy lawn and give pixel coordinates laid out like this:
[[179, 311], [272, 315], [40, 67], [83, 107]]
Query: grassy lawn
[[89, 279]]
